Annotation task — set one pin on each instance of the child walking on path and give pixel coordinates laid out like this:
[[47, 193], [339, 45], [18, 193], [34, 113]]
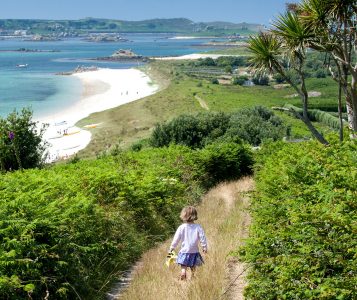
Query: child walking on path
[[190, 235]]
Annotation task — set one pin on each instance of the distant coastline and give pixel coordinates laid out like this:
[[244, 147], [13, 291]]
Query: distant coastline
[[25, 50]]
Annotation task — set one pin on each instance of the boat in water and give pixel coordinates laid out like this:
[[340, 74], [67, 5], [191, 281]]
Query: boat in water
[[22, 65]]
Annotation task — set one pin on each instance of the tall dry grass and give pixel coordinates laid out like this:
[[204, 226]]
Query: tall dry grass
[[224, 218]]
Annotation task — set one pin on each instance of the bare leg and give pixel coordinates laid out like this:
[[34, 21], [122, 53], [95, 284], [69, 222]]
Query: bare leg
[[183, 272], [193, 270]]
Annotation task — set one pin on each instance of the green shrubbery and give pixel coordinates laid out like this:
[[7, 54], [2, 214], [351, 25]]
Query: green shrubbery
[[222, 61], [239, 80], [255, 125], [261, 80], [252, 125], [68, 230], [191, 131], [303, 239], [319, 116], [21, 143], [226, 161]]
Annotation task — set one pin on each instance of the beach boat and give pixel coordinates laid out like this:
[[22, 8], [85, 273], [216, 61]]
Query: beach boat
[[22, 65]]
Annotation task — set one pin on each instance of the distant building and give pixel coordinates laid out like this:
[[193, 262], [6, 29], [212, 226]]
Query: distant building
[[20, 32]]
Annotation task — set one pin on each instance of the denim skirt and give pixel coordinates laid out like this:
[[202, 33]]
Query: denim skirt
[[189, 259]]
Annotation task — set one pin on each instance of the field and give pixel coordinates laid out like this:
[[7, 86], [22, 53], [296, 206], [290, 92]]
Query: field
[[179, 92]]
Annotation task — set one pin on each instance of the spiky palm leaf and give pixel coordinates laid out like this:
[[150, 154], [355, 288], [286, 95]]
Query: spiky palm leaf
[[326, 18], [294, 34], [266, 50], [315, 14]]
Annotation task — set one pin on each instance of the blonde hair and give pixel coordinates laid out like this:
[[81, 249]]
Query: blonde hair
[[188, 214]]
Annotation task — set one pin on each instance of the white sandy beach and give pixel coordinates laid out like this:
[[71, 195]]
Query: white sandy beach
[[102, 89]]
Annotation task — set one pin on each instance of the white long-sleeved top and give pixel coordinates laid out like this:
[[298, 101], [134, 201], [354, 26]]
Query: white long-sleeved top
[[190, 234]]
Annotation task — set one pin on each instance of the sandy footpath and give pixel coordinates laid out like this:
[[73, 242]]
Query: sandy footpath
[[102, 89]]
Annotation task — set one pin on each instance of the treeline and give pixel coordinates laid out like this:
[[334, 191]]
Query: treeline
[[68, 231], [303, 238], [221, 61]]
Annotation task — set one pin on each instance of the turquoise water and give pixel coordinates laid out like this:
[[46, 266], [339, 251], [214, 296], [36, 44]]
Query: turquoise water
[[37, 86]]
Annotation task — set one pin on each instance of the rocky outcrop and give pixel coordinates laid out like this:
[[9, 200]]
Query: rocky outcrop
[[42, 38], [102, 38], [123, 55], [79, 69]]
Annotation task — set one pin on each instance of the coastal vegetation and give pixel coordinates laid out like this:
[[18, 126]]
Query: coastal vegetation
[[183, 81], [252, 125], [21, 142], [69, 230], [302, 242]]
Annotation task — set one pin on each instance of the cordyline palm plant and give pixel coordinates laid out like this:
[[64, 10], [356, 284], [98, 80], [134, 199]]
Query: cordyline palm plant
[[333, 23], [283, 50]]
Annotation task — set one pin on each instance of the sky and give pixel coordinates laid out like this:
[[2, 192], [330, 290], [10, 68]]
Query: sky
[[251, 11]]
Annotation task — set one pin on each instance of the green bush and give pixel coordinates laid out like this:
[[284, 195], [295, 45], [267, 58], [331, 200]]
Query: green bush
[[228, 69], [21, 145], [223, 61], [320, 73], [303, 238], [214, 81], [226, 161], [279, 78], [232, 61], [208, 62], [261, 80], [253, 125], [192, 131], [240, 80]]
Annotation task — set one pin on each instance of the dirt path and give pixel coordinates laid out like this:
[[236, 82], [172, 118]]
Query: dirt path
[[202, 102], [223, 214]]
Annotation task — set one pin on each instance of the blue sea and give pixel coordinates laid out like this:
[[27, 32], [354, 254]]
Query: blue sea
[[38, 87]]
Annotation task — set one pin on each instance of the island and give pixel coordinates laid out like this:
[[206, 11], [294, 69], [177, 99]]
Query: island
[[123, 55], [105, 38]]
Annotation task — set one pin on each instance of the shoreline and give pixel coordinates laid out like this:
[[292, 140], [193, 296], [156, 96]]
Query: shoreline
[[102, 89]]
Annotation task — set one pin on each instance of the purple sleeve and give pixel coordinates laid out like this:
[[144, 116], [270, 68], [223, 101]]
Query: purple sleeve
[[177, 238]]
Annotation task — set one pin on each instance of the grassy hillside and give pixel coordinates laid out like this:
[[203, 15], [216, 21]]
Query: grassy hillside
[[178, 25]]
